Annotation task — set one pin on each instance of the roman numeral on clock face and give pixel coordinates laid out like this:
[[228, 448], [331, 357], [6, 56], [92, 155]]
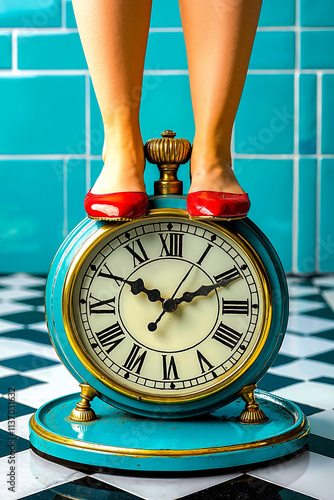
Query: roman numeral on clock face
[[227, 336], [204, 254], [232, 273], [172, 245], [235, 306], [168, 367], [203, 361], [137, 251], [106, 273], [101, 306], [135, 359], [111, 337]]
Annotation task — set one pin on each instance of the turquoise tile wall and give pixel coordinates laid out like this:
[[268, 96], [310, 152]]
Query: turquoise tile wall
[[42, 114], [272, 206], [31, 13], [316, 13], [76, 171], [307, 114], [31, 213], [278, 13], [265, 119], [166, 51], [70, 18], [59, 51], [317, 49], [273, 50], [307, 215], [5, 51], [325, 244], [327, 105], [166, 14], [51, 132]]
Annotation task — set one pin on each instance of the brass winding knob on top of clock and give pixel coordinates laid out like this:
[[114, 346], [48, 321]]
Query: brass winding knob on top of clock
[[168, 153]]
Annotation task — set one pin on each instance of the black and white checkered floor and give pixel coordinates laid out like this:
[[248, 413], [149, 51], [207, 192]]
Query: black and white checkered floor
[[303, 372]]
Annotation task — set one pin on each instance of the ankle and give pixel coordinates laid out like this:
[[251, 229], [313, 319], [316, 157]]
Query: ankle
[[123, 121], [211, 155], [123, 144], [213, 138], [210, 163], [211, 170]]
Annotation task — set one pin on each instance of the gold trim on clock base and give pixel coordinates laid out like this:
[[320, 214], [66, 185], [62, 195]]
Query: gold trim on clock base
[[121, 441]]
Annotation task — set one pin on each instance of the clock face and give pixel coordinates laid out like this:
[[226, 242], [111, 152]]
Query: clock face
[[167, 308]]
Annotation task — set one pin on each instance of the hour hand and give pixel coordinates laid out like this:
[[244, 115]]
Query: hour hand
[[136, 286], [204, 290]]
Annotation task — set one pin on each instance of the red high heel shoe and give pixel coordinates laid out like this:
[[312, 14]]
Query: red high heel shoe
[[217, 205], [124, 206]]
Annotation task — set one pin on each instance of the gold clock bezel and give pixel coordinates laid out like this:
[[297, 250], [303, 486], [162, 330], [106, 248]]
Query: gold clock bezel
[[223, 380]]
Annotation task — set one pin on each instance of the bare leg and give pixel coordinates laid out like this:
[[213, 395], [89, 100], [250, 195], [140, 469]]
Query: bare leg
[[114, 37], [219, 36]]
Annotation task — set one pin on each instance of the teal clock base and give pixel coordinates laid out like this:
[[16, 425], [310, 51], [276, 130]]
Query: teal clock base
[[120, 440]]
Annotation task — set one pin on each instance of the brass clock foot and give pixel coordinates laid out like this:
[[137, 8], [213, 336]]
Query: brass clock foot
[[82, 411], [252, 413]]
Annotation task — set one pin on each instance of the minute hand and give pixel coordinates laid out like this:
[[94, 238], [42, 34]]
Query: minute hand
[[204, 290]]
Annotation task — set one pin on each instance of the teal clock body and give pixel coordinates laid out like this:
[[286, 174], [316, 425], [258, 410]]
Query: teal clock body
[[165, 316], [165, 322]]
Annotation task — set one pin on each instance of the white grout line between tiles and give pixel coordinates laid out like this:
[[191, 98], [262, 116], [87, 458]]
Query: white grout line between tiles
[[88, 135], [319, 156], [239, 156], [48, 30], [65, 200], [8, 73], [295, 199], [14, 51], [63, 13]]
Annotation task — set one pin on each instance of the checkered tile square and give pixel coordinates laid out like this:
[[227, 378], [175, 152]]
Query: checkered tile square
[[302, 372]]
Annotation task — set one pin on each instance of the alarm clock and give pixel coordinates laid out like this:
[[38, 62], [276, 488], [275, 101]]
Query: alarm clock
[[168, 318]]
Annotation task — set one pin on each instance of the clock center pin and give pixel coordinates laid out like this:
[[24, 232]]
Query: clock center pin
[[169, 305]]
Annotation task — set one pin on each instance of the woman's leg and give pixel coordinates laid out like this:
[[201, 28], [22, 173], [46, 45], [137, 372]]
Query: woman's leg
[[114, 37], [219, 36]]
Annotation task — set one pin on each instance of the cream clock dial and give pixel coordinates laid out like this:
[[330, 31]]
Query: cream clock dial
[[167, 308]]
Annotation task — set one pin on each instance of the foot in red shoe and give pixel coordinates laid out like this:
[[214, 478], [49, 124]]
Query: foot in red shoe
[[124, 206], [217, 205]]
